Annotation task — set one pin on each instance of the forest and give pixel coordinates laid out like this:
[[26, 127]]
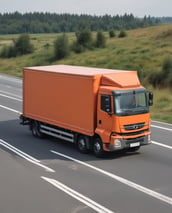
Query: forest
[[38, 22]]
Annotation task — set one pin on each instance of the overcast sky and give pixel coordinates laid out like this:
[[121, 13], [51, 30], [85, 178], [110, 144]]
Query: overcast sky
[[138, 8]]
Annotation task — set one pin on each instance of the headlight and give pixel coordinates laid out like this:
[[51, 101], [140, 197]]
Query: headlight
[[117, 142]]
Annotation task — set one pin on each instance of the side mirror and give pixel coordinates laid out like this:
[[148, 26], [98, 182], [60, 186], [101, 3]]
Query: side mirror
[[150, 101], [106, 104]]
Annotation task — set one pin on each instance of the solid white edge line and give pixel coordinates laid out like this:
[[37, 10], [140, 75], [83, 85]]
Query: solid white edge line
[[11, 94], [161, 144], [18, 150], [10, 78], [6, 96], [131, 184], [12, 110], [160, 122], [26, 157], [94, 205], [159, 127]]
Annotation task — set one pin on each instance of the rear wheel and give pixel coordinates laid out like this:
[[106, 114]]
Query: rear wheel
[[98, 147], [35, 128], [83, 144]]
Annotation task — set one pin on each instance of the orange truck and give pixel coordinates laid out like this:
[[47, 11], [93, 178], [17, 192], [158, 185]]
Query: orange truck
[[96, 109]]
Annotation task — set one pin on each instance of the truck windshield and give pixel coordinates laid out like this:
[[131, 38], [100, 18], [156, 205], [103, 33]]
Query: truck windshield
[[130, 102]]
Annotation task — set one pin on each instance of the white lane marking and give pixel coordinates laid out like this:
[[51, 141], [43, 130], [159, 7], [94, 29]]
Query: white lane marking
[[129, 183], [19, 151], [24, 155], [10, 78], [160, 127], [11, 94], [6, 96], [94, 205], [163, 123], [10, 109], [161, 144]]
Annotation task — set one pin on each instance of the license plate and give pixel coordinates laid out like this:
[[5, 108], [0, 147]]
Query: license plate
[[134, 144]]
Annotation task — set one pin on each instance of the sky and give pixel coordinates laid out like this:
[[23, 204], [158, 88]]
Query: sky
[[139, 8]]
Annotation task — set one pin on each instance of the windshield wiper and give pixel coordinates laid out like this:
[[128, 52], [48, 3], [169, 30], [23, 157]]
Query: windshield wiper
[[133, 111], [141, 109]]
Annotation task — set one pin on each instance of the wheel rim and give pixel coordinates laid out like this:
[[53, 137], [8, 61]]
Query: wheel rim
[[97, 147], [82, 144], [34, 129]]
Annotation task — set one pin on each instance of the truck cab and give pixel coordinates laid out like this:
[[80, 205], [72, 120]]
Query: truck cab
[[123, 118]]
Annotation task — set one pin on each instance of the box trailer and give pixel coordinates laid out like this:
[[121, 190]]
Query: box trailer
[[97, 109]]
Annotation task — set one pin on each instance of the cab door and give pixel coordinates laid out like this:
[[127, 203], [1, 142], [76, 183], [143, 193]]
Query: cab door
[[104, 117]]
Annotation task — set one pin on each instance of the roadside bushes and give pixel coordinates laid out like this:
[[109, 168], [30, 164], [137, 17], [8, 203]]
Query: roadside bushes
[[164, 78], [21, 46], [84, 40], [112, 33], [100, 40], [61, 47], [122, 34]]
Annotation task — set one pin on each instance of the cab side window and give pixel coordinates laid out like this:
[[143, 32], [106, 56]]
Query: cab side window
[[106, 103]]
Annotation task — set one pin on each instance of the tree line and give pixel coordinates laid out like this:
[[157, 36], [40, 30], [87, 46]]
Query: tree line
[[166, 20], [39, 22]]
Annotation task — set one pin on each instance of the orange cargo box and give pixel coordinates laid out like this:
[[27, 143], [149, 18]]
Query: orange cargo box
[[65, 96], [58, 96]]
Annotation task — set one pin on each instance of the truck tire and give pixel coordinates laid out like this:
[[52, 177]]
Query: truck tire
[[35, 128], [98, 147], [83, 144]]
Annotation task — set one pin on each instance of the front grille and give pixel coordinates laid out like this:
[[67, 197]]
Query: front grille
[[134, 133], [134, 140], [134, 126]]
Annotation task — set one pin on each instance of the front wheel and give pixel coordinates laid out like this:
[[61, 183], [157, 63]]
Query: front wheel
[[98, 147]]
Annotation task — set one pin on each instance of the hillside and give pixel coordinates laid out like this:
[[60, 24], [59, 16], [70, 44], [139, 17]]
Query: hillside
[[143, 50]]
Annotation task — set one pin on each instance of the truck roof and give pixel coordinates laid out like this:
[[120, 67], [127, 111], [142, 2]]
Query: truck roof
[[75, 70], [109, 77]]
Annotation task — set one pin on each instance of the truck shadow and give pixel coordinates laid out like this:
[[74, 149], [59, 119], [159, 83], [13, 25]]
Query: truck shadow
[[21, 138]]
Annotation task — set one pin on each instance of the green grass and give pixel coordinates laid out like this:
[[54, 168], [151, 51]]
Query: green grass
[[143, 50], [162, 107]]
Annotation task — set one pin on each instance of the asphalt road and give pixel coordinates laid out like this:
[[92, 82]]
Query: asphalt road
[[50, 176]]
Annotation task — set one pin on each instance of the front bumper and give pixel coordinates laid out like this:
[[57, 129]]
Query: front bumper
[[127, 143]]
